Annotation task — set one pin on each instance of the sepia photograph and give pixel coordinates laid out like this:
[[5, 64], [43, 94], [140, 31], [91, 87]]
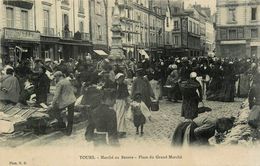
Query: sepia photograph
[[129, 82]]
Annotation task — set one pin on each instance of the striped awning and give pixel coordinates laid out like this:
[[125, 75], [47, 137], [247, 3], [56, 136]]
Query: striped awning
[[143, 52], [101, 52]]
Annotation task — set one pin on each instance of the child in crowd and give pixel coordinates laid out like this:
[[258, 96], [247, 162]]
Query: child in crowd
[[139, 113]]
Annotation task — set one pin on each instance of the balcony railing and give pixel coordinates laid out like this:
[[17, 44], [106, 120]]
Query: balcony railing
[[27, 4], [67, 35], [85, 36], [48, 31], [125, 3]]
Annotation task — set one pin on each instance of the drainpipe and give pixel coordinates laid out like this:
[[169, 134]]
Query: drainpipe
[[34, 16], [74, 16], [106, 15], [90, 20], [56, 19]]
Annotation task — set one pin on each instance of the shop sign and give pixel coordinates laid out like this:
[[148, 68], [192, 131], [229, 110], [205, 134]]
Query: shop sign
[[24, 35]]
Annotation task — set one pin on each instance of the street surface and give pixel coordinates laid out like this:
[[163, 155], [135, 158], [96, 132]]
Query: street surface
[[158, 132]]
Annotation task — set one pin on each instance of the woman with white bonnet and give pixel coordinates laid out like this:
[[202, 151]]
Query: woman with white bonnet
[[190, 96], [122, 104]]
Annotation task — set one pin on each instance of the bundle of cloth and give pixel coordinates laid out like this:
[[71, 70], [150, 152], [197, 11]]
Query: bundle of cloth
[[241, 133]]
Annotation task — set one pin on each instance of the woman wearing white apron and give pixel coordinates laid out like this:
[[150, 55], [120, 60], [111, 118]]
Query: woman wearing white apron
[[122, 104]]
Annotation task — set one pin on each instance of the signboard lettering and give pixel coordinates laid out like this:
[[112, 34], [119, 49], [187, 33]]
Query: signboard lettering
[[18, 34]]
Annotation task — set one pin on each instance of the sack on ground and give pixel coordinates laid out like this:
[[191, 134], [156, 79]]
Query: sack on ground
[[254, 117]]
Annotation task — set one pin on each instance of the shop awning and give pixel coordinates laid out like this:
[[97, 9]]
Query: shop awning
[[100, 52], [143, 52]]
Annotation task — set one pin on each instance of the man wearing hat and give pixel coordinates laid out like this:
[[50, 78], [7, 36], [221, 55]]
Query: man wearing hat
[[64, 97], [48, 66], [38, 64]]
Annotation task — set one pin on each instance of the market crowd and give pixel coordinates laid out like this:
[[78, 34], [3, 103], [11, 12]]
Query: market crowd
[[111, 93]]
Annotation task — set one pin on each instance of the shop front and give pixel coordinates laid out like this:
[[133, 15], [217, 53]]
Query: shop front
[[49, 48], [75, 49], [20, 45]]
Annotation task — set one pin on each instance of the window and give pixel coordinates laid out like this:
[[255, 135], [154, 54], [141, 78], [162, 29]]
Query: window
[[176, 40], [81, 4], [139, 17], [253, 13], [168, 38], [81, 26], [232, 34], [10, 17], [65, 2], [176, 24], [232, 15], [46, 19], [129, 37], [99, 32], [65, 21], [98, 8], [253, 50], [190, 26], [24, 19], [128, 13], [193, 28], [240, 33], [254, 33], [223, 34], [167, 21]]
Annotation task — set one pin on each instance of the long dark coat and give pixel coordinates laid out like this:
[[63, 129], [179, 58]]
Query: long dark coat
[[143, 86], [42, 86], [190, 98]]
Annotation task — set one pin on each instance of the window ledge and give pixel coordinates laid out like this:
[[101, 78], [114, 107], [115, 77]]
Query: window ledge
[[254, 21], [232, 22]]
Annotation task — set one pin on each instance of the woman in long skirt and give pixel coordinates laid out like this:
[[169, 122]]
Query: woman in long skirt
[[122, 104], [190, 96]]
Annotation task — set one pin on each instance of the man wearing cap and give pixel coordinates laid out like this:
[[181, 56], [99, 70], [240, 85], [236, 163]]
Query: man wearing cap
[[64, 97]]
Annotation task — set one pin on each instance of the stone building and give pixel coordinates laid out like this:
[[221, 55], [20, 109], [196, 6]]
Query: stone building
[[237, 26], [56, 29], [185, 31], [142, 27], [98, 12]]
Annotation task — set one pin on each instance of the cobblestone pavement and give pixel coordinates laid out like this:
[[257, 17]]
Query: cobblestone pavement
[[157, 132]]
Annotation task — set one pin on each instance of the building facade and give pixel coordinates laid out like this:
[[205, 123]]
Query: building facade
[[238, 28], [98, 21], [18, 29], [184, 32], [142, 28], [188, 32], [44, 29]]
